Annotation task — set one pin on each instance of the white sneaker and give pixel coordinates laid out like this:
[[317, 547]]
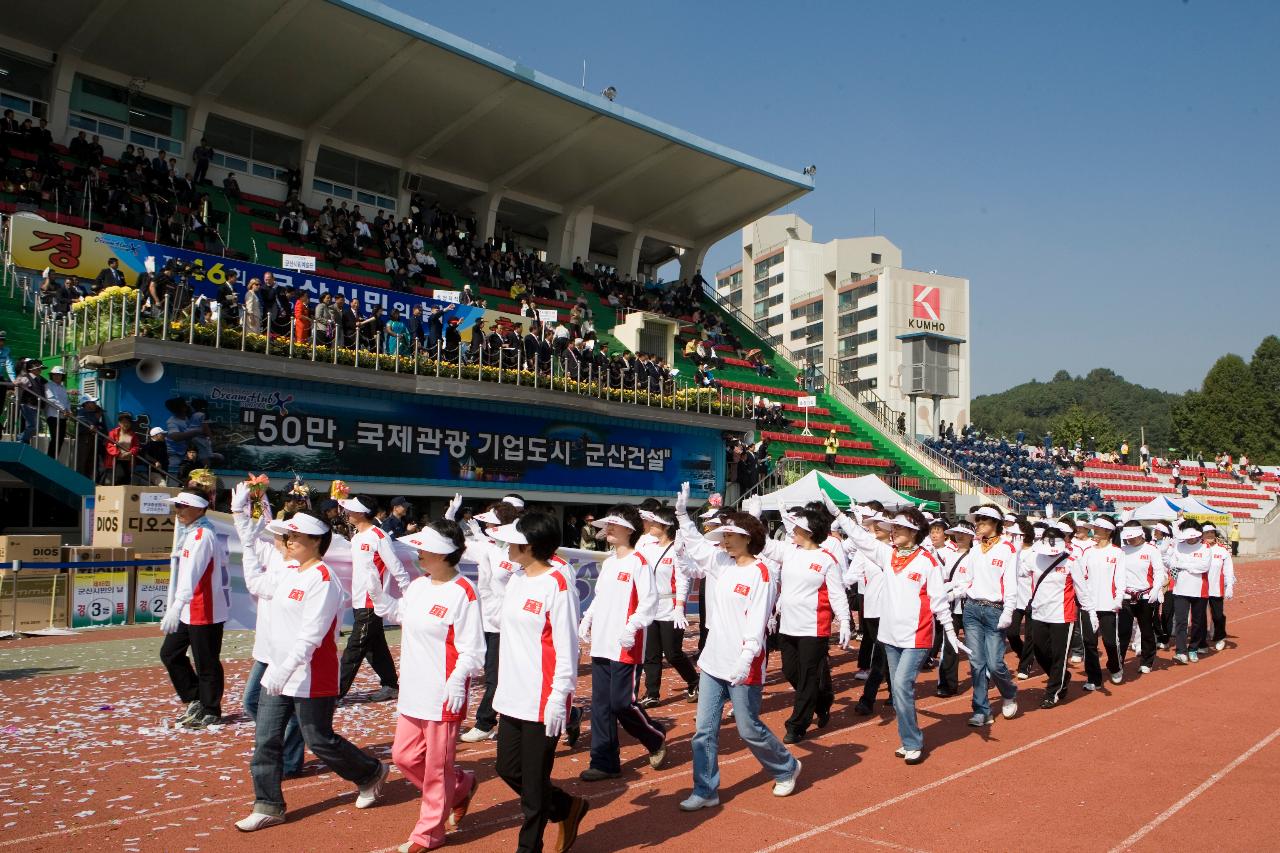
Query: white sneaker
[[370, 793], [476, 735], [259, 820], [694, 802], [405, 848], [1220, 645], [1144, 669], [860, 675], [1009, 709], [1076, 658], [1117, 677], [787, 788], [1089, 686], [1162, 645], [1022, 676], [913, 756], [1181, 658], [901, 752]]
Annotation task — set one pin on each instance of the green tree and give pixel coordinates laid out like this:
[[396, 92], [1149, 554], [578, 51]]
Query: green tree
[[1228, 413], [1079, 423]]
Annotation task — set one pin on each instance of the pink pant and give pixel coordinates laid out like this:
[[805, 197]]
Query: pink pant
[[424, 750]]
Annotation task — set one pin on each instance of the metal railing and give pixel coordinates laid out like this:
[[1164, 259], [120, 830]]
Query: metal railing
[[867, 405], [201, 323]]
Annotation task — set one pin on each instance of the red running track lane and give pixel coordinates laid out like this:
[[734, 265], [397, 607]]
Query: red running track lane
[[1115, 768]]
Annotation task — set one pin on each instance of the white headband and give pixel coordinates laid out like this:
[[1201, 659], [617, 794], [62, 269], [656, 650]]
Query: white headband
[[612, 519], [1101, 524], [1131, 532], [508, 533], [188, 499], [514, 501], [796, 521], [984, 512], [355, 505], [899, 521], [717, 535], [430, 540], [645, 515], [299, 523], [488, 517]]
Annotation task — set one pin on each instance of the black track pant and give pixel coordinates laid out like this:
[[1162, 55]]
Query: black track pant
[[1109, 633], [1141, 611], [1051, 643], [666, 640], [367, 641], [949, 669], [205, 680], [807, 668]]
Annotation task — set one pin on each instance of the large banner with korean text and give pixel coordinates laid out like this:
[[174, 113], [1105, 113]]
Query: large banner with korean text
[[37, 244], [324, 431]]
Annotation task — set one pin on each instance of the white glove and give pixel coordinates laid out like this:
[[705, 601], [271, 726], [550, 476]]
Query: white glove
[[274, 680], [1155, 595], [682, 499], [830, 504], [584, 627], [1006, 619], [627, 639], [751, 506], [555, 714], [954, 641], [1229, 592], [741, 672], [172, 618], [477, 532], [454, 505], [240, 499], [846, 635], [455, 694], [773, 623], [1093, 620], [680, 621]]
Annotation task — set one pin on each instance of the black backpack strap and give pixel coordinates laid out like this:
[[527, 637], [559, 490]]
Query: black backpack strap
[[1044, 575]]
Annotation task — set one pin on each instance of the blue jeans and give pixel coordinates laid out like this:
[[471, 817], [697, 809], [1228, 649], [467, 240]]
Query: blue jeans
[[904, 666], [294, 748], [986, 645], [315, 719], [768, 750], [29, 424]]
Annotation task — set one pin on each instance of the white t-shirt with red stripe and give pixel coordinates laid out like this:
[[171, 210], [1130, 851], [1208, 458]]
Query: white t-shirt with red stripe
[[670, 576], [741, 597], [539, 645], [302, 629], [625, 599], [493, 570], [1105, 572], [913, 595], [1064, 591], [811, 597], [440, 635], [374, 561], [1222, 570], [201, 583], [1143, 567], [1191, 562], [989, 573]]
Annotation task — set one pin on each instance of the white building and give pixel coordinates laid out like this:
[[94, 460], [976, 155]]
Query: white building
[[850, 306]]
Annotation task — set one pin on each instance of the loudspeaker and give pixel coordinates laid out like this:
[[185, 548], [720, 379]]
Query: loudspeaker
[[150, 370]]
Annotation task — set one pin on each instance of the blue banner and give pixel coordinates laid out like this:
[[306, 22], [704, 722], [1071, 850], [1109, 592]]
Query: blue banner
[[327, 431]]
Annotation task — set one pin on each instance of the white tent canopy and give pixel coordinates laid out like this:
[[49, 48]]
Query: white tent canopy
[[1167, 507], [842, 490]]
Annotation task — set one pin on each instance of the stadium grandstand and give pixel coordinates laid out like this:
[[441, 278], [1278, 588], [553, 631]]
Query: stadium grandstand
[[424, 222]]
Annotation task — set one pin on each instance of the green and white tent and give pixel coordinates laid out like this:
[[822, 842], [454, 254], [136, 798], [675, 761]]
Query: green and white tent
[[843, 491]]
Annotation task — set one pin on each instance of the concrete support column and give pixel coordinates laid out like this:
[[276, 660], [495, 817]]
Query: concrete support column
[[310, 151], [691, 262], [485, 208], [197, 117], [64, 75], [569, 236], [629, 254]]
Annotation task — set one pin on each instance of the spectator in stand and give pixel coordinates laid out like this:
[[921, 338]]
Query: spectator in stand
[[123, 446], [253, 307], [91, 429], [57, 409], [202, 155], [302, 324], [831, 447], [29, 388], [397, 523], [111, 276], [151, 466]]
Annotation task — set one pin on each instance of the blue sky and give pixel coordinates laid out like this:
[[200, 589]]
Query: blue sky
[[1106, 174]]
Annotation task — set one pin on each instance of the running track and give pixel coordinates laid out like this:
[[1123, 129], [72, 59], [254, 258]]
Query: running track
[[1182, 757]]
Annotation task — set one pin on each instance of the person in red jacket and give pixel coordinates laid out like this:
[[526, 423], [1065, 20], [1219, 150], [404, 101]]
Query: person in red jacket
[[123, 445]]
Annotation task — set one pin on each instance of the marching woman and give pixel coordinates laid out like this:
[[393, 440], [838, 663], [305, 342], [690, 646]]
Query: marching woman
[[441, 647], [1104, 570], [871, 655], [913, 597], [811, 602], [615, 624], [1143, 578], [1222, 581], [1022, 533], [263, 562], [1079, 542], [1059, 593], [666, 633], [733, 660], [1162, 538], [373, 564], [494, 568], [1189, 563], [302, 675], [987, 581], [961, 535], [537, 673]]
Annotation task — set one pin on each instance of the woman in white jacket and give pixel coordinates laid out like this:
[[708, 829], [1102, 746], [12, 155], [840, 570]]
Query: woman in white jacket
[[914, 600], [263, 560], [740, 593], [1144, 577], [441, 649], [1189, 563]]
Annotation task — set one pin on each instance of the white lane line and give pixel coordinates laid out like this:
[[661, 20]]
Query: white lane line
[[960, 774], [1200, 789]]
